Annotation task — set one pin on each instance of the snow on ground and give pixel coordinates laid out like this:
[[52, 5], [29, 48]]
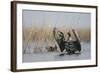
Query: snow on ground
[[54, 56]]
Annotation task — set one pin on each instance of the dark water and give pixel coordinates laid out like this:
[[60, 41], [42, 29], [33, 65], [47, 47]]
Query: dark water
[[54, 56]]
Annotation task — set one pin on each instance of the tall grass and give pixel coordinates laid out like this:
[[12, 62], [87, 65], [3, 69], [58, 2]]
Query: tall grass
[[45, 35]]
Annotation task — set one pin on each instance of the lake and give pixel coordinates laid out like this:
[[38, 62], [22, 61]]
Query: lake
[[54, 56]]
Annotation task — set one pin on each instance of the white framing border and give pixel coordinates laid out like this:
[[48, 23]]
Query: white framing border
[[21, 65]]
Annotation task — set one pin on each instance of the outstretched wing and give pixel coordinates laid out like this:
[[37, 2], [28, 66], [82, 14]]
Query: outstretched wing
[[76, 35], [59, 38], [77, 42]]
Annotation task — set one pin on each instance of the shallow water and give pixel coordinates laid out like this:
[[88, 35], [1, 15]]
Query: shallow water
[[54, 56]]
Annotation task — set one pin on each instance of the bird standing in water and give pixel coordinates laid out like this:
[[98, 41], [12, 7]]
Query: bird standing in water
[[70, 46]]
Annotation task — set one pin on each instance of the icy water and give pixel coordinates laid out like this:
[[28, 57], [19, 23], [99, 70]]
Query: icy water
[[54, 56]]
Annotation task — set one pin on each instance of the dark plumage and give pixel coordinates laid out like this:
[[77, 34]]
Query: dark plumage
[[70, 46]]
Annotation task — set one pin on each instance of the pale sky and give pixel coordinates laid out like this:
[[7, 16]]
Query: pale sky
[[56, 19]]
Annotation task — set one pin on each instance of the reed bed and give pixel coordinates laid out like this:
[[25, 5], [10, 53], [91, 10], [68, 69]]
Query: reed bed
[[44, 36]]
